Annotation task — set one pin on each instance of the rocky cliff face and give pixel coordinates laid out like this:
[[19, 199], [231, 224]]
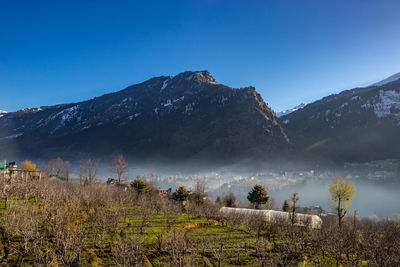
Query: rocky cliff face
[[188, 116]]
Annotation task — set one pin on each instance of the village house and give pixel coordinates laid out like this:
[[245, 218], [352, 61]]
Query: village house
[[10, 172]]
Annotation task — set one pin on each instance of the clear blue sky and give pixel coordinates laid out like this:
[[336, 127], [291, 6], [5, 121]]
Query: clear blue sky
[[291, 51]]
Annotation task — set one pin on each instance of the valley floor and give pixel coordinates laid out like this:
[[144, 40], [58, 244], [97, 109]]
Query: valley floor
[[57, 223]]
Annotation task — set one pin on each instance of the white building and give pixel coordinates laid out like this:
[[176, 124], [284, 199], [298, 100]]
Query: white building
[[313, 221]]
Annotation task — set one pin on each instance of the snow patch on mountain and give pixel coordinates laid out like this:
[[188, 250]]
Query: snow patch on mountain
[[224, 99], [13, 136], [64, 115], [189, 108], [389, 104], [164, 85], [179, 99], [69, 113], [288, 111], [168, 103]]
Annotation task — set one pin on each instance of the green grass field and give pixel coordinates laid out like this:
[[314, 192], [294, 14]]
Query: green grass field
[[237, 244]]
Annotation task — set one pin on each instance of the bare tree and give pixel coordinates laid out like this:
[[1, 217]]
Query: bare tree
[[21, 222], [177, 246], [88, 171], [229, 200], [215, 245], [120, 166], [144, 214], [170, 213], [57, 167], [127, 252], [198, 196]]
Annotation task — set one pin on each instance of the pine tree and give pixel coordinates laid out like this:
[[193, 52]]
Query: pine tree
[[258, 196], [140, 186], [181, 194], [294, 198], [285, 206]]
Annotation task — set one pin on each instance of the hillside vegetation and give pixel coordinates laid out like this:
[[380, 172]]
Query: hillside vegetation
[[62, 223]]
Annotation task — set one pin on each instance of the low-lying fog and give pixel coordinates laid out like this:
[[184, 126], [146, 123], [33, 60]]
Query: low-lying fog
[[376, 196], [371, 197], [376, 188]]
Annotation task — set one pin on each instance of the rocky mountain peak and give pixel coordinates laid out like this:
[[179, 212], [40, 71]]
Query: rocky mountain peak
[[196, 76], [188, 116]]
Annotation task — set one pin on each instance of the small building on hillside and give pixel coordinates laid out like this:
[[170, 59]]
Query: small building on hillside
[[8, 165], [114, 182], [165, 193], [10, 172], [311, 210]]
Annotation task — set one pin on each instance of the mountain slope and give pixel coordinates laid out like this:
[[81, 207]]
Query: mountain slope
[[392, 78], [361, 124], [288, 111], [189, 116]]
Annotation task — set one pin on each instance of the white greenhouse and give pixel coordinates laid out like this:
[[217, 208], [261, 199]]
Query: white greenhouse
[[313, 221]]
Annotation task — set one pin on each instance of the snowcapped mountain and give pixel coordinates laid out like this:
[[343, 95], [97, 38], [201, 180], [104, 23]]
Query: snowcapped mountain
[[392, 78], [192, 116], [186, 116], [354, 125], [288, 111]]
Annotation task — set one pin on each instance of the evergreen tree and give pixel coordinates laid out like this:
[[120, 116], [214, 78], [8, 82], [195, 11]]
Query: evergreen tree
[[285, 206], [294, 198], [140, 186], [258, 196], [181, 194]]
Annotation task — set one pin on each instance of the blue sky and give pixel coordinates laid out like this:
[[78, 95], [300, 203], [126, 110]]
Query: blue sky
[[291, 51]]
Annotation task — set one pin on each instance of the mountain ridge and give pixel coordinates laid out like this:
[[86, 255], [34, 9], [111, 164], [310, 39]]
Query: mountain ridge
[[391, 78], [190, 116], [187, 116], [359, 124], [288, 111]]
